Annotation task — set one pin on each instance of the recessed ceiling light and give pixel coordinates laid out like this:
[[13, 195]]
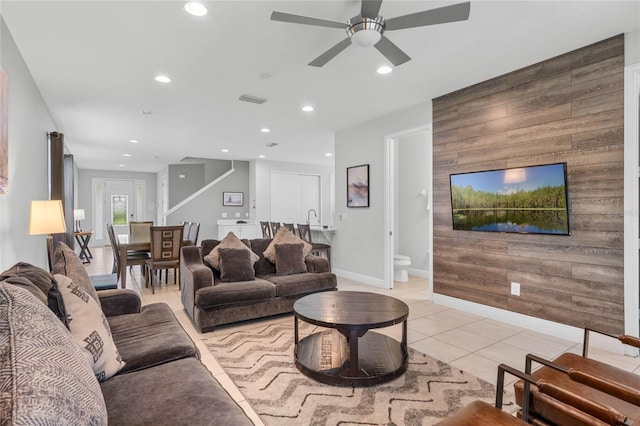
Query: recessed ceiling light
[[134, 140], [162, 79], [121, 165], [265, 130], [126, 155], [196, 9], [224, 150], [328, 154], [262, 156], [307, 108], [385, 69]]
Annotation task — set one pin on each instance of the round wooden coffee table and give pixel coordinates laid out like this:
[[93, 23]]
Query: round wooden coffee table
[[346, 354]]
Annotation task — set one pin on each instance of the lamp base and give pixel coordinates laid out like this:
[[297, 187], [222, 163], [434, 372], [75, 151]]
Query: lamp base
[[78, 229]]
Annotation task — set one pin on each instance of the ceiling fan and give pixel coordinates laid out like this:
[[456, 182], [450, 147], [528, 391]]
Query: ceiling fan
[[368, 28]]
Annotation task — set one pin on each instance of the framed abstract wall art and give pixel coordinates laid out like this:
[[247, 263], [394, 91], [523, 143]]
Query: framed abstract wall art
[[4, 132], [358, 186]]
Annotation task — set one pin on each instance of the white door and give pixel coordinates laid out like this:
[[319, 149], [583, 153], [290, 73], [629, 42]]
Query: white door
[[120, 205], [293, 196]]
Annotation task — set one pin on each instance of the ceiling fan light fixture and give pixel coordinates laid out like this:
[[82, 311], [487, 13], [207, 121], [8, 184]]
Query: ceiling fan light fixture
[[365, 32]]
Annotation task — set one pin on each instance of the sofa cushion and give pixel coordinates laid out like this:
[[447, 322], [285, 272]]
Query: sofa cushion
[[238, 292], [152, 336], [44, 376], [69, 264], [290, 259], [230, 241], [90, 329], [263, 266], [284, 236], [162, 396], [40, 278], [236, 265], [307, 282]]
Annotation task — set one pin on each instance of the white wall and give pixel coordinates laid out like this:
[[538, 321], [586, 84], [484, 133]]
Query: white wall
[[358, 245], [261, 194], [413, 175], [29, 122], [632, 48]]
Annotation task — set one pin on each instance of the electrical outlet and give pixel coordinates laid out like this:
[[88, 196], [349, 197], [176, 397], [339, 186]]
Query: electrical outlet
[[224, 214], [515, 289], [237, 214]]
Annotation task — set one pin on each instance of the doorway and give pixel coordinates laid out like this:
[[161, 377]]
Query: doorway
[[408, 195], [116, 201]]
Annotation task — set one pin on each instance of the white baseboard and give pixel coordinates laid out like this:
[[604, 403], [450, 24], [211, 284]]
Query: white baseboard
[[418, 272], [563, 331], [364, 279]]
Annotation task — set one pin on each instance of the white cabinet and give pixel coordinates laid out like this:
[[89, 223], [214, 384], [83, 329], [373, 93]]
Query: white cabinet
[[241, 230]]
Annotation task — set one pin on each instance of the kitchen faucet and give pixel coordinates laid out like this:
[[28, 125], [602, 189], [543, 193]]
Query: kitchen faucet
[[309, 215]]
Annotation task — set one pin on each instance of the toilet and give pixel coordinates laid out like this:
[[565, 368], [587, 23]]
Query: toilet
[[400, 265]]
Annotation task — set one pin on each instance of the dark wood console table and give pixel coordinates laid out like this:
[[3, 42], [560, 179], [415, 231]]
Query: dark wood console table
[[346, 354]]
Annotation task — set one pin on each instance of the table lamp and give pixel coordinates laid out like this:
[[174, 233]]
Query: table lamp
[[47, 217], [78, 215]]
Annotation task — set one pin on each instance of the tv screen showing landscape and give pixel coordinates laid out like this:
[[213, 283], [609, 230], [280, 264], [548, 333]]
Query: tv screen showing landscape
[[521, 200]]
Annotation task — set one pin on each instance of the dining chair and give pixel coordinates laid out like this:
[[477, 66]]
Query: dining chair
[[266, 230], [186, 229], [165, 252], [274, 227], [304, 231], [291, 227], [192, 236], [139, 231], [133, 257]]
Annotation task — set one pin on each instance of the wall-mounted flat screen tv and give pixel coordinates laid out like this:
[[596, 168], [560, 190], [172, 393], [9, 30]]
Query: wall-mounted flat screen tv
[[521, 200]]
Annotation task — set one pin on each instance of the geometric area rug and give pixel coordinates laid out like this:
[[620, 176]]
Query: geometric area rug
[[259, 361]]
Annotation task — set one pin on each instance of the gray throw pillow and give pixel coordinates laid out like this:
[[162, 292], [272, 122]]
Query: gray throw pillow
[[68, 263], [44, 378], [236, 265], [290, 259]]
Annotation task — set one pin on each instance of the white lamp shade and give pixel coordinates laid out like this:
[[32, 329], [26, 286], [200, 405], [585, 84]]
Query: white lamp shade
[[47, 217], [78, 214]]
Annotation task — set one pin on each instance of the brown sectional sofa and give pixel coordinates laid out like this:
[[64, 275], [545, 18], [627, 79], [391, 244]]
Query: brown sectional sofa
[[162, 382], [211, 302]]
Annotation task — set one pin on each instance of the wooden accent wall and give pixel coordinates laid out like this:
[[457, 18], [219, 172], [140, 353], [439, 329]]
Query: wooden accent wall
[[565, 109]]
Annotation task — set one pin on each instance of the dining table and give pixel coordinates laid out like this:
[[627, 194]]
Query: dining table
[[131, 243]]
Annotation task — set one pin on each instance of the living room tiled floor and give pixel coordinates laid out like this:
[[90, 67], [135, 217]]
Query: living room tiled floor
[[469, 342]]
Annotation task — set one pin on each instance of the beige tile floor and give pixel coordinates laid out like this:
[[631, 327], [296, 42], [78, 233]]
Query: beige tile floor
[[469, 342]]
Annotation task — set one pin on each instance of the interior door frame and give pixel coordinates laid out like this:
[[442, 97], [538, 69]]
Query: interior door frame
[[631, 202], [390, 196]]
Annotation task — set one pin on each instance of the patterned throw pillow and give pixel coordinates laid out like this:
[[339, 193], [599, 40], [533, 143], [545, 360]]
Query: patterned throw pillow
[[230, 241], [90, 329], [284, 236], [69, 264], [44, 378]]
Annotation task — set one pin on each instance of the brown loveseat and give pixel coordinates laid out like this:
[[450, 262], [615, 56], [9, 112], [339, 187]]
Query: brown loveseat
[[44, 379], [211, 302]]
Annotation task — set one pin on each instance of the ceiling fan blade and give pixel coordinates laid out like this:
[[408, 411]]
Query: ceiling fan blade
[[441, 15], [305, 20], [391, 51], [331, 53], [370, 8]]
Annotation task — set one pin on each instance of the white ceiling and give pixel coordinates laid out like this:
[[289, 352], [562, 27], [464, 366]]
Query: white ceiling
[[94, 62]]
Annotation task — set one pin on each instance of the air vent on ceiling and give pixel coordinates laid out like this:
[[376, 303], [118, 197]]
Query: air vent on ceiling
[[272, 144], [252, 99]]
